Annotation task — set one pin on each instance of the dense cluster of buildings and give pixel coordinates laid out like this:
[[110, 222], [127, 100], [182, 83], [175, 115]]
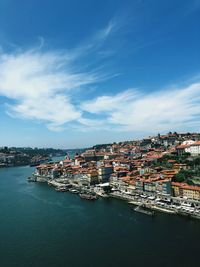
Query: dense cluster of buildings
[[133, 166]]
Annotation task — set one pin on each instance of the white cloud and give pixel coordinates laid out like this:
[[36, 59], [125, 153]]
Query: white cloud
[[56, 110], [150, 112], [109, 103], [34, 74], [41, 83]]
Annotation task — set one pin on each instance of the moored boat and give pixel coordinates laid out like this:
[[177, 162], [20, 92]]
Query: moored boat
[[61, 189], [144, 210], [74, 191], [87, 196]]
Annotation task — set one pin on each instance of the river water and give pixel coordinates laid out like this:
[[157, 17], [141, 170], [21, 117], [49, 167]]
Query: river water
[[43, 228]]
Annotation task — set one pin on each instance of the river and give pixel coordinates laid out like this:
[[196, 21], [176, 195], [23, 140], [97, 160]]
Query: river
[[43, 228]]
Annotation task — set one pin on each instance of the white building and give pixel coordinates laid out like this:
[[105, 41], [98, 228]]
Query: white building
[[193, 149]]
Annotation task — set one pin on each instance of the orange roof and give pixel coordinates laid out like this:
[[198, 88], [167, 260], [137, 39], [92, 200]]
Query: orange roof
[[186, 186]]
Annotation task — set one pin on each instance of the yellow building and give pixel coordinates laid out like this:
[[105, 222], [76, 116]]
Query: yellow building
[[191, 193], [185, 190]]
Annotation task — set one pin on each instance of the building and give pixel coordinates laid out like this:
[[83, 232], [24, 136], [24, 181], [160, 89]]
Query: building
[[164, 187], [149, 186], [104, 173], [186, 191], [189, 147], [86, 177], [193, 149], [139, 185]]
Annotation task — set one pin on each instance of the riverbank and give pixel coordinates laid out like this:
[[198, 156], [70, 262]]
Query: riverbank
[[159, 206], [171, 207]]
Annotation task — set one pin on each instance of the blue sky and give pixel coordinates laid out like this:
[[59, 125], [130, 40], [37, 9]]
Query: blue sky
[[77, 73]]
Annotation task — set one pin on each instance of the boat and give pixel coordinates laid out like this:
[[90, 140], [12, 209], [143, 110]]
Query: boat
[[88, 196], [144, 210], [61, 189], [74, 191]]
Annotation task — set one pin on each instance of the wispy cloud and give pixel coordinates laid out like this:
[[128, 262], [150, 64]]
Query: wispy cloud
[[173, 108], [109, 103], [94, 43], [41, 84], [111, 27]]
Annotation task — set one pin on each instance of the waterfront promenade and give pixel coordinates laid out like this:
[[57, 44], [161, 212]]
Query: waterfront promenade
[[159, 203], [181, 208]]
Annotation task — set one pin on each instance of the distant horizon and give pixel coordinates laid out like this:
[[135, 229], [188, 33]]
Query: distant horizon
[[74, 74], [90, 146], [136, 139]]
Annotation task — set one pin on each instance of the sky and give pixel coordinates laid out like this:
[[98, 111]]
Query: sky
[[79, 73]]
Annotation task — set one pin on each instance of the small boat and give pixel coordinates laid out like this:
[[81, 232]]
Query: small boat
[[61, 189], [73, 191], [88, 196], [144, 211]]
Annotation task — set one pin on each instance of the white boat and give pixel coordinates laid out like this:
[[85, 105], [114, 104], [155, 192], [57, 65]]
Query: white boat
[[151, 197], [74, 191], [143, 196]]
